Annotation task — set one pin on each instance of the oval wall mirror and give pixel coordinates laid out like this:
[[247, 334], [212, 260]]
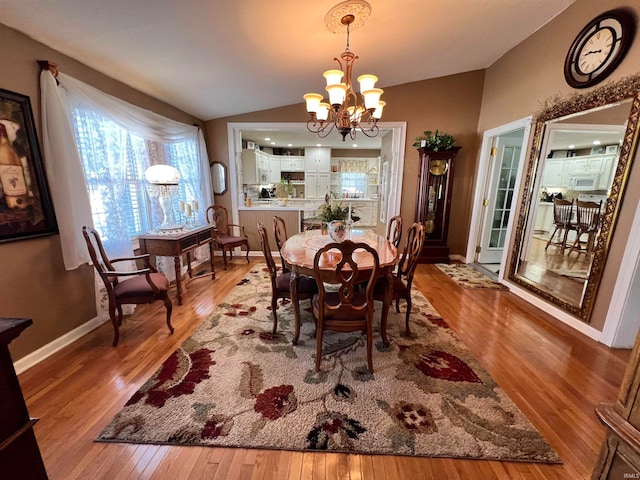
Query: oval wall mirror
[[219, 178], [577, 171]]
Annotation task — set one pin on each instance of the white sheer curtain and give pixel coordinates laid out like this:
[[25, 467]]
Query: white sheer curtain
[[71, 102]]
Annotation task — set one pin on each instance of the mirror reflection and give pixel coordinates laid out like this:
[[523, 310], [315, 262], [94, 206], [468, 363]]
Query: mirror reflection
[[575, 171]]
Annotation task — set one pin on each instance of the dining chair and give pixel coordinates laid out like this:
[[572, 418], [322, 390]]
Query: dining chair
[[345, 308], [280, 284], [280, 234], [143, 286], [225, 239], [402, 279], [394, 230], [588, 222], [562, 222]]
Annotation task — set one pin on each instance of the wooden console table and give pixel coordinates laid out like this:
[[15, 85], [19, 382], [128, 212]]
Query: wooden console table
[[174, 244], [19, 453]]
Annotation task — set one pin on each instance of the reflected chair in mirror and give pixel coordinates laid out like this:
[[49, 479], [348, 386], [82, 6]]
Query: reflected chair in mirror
[[562, 223], [394, 230], [227, 235], [588, 223], [348, 308], [134, 287], [402, 279], [280, 234], [280, 283]]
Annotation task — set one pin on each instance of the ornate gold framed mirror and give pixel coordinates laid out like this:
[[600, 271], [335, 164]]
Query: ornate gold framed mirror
[[581, 153]]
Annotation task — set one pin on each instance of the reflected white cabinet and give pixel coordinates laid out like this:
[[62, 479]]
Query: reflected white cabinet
[[292, 164], [254, 162], [553, 174]]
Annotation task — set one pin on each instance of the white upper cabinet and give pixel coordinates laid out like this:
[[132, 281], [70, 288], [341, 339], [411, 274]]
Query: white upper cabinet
[[317, 159]]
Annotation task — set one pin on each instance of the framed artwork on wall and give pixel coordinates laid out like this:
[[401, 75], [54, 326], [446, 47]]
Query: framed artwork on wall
[[26, 210]]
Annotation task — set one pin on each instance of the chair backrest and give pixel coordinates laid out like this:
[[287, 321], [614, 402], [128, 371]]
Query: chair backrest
[[411, 253], [347, 276], [279, 231], [394, 230], [562, 211], [588, 215], [219, 217], [266, 250], [98, 256]]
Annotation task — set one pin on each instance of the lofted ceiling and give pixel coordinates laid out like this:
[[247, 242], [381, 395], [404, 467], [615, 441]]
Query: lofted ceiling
[[215, 58]]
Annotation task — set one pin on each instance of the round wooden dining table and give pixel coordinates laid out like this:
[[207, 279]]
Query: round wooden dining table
[[299, 251]]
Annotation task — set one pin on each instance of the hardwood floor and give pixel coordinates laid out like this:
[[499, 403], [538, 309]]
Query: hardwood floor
[[555, 375]]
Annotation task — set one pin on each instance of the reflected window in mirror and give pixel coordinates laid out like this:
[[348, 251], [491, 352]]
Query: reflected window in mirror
[[582, 150], [218, 178]]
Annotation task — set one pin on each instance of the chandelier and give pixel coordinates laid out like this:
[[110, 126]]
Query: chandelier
[[343, 111]]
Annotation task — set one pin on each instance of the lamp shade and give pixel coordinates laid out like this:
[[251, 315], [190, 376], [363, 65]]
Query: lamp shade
[[323, 111], [367, 82], [333, 76], [337, 93], [377, 113], [313, 101], [371, 98], [162, 175]]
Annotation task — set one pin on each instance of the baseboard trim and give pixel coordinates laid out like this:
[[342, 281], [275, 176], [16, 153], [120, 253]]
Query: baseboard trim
[[59, 343]]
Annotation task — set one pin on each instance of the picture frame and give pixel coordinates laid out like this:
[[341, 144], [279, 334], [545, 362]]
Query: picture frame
[[598, 150], [26, 209]]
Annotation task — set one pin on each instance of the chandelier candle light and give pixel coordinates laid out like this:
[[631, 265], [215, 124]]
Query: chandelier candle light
[[343, 111], [163, 184]]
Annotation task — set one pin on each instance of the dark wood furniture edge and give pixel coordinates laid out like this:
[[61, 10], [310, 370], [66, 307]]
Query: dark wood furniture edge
[[18, 433], [618, 425], [11, 328]]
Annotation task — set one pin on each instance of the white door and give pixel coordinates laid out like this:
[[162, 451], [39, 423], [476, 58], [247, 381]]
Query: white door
[[498, 200]]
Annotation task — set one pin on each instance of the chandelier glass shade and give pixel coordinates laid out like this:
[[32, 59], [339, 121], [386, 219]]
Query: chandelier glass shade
[[344, 111]]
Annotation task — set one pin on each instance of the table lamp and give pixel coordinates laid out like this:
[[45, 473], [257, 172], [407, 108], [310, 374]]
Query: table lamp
[[163, 184]]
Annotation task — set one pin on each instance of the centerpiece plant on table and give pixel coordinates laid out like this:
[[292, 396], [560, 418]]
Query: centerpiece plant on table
[[335, 210]]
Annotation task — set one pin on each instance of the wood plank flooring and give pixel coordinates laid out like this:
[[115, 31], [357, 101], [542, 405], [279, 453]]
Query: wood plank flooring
[[555, 375]]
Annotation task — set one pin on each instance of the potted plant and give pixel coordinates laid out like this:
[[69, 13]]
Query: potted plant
[[434, 141]]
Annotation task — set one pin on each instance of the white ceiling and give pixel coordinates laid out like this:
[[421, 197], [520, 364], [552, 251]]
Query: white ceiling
[[215, 58]]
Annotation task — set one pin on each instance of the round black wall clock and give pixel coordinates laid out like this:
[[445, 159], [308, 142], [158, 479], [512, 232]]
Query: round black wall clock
[[599, 48]]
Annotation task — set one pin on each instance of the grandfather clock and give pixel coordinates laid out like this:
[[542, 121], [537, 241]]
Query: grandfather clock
[[433, 208]]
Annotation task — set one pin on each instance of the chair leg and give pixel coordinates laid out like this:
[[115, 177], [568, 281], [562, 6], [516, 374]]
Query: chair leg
[[274, 307], [169, 306], [397, 305], [247, 253], [551, 237], [406, 322], [224, 257], [114, 322], [370, 346], [318, 348], [119, 315]]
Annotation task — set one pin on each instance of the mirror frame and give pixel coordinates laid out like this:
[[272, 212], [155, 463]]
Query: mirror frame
[[214, 168], [611, 93]]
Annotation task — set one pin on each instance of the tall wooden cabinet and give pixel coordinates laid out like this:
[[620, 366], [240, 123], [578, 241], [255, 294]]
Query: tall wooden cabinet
[[19, 453], [433, 206]]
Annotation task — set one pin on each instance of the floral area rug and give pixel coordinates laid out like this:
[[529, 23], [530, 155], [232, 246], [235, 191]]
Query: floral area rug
[[468, 277], [234, 384]]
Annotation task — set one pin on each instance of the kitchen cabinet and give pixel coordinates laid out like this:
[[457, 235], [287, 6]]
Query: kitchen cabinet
[[254, 163], [317, 159], [554, 173], [274, 169], [586, 166], [607, 171], [544, 218], [367, 211], [316, 185], [292, 164]]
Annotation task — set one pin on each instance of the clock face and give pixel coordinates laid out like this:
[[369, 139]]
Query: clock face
[[596, 50], [599, 48]]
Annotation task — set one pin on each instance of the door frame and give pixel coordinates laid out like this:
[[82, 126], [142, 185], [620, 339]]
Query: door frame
[[481, 183], [234, 140]]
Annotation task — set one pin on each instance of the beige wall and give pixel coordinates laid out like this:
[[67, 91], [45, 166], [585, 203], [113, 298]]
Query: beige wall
[[33, 282], [450, 104], [532, 72]]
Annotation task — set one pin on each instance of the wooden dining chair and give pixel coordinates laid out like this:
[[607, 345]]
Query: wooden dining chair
[[402, 279], [394, 230], [137, 287], [562, 222], [225, 237], [280, 234], [348, 308], [280, 283], [588, 223]]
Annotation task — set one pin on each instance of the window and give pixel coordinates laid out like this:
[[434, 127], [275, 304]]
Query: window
[[114, 162], [353, 184]]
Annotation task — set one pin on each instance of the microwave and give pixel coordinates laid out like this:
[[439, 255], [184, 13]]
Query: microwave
[[589, 182]]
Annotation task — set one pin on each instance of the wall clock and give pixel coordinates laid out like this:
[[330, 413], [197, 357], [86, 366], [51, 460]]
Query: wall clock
[[599, 48]]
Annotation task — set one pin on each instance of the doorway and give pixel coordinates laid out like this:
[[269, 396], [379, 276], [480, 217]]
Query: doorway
[[497, 185]]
